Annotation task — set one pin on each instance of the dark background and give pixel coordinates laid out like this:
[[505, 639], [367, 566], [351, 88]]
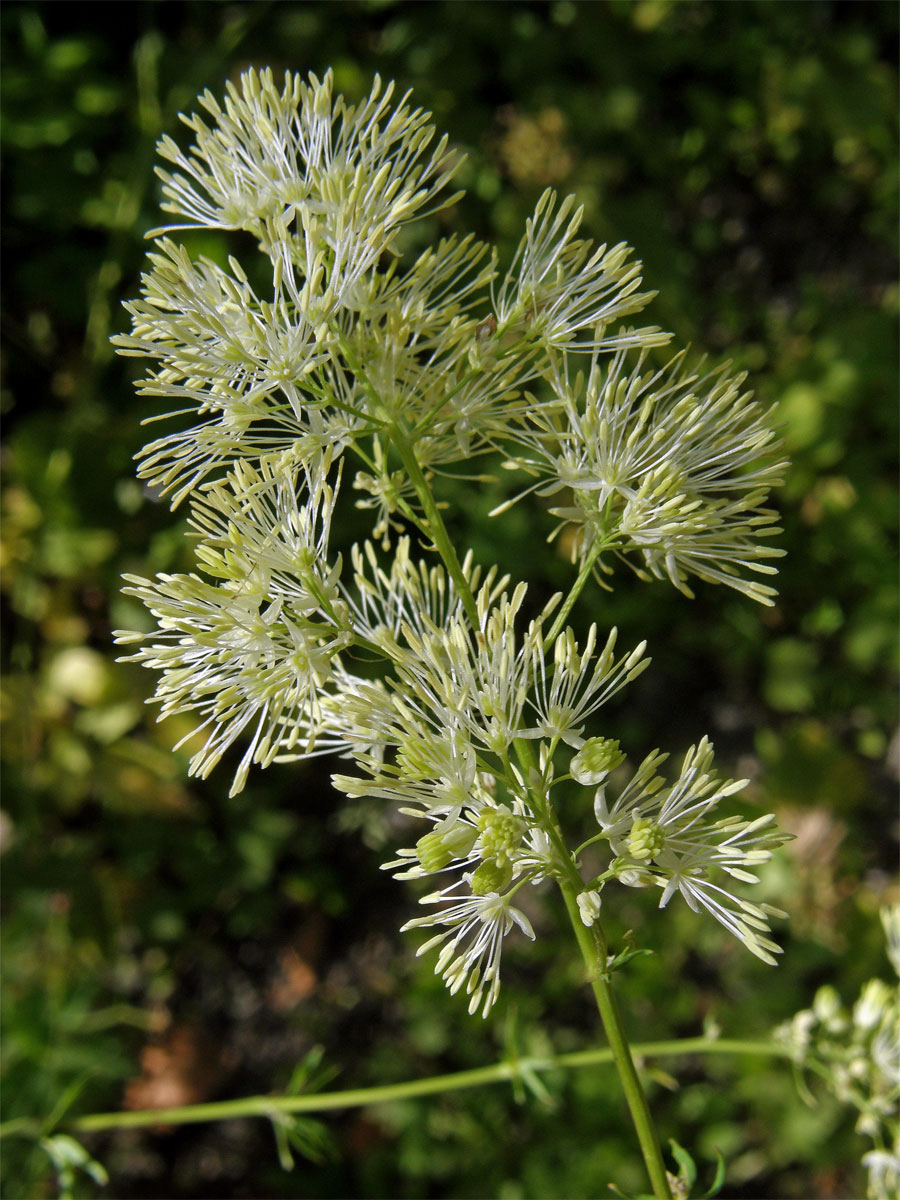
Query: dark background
[[166, 944]]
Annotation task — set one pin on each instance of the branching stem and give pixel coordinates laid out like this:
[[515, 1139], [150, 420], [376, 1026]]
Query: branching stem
[[591, 941], [500, 1072], [569, 603], [436, 528]]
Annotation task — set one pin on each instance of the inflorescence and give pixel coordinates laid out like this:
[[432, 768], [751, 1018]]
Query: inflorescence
[[329, 359]]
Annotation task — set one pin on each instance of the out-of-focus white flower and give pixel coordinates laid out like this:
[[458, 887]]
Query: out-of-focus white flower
[[870, 1008], [884, 1173], [890, 920], [857, 1054]]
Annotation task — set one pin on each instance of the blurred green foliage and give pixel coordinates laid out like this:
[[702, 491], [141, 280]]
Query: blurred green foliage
[[163, 943]]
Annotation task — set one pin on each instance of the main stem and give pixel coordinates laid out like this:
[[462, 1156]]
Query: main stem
[[436, 528], [593, 950], [592, 944], [591, 941]]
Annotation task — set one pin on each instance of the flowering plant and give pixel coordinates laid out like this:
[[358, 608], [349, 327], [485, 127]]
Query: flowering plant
[[327, 359], [856, 1052]]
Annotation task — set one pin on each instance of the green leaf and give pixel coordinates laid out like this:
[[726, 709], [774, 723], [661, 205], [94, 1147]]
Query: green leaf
[[310, 1138], [716, 1185], [309, 1075], [687, 1168]]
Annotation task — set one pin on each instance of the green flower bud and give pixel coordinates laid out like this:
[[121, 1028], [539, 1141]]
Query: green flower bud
[[436, 849], [827, 1007], [596, 758], [432, 853], [492, 876]]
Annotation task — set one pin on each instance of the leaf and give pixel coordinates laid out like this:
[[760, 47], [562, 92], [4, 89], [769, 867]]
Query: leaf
[[716, 1185], [687, 1168], [310, 1138], [536, 1086], [309, 1075]]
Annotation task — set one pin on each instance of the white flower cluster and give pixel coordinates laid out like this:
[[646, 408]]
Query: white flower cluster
[[252, 649], [857, 1053], [459, 699], [665, 466], [670, 837], [325, 346]]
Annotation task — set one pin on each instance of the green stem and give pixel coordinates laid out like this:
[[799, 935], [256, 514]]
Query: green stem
[[436, 528], [401, 504], [592, 944], [501, 1072], [576, 590]]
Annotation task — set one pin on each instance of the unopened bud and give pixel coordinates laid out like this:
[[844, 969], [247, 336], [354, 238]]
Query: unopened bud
[[436, 849], [491, 876], [596, 758], [589, 907]]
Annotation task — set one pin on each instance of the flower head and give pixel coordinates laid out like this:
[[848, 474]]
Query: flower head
[[668, 469], [302, 153], [562, 291], [472, 942], [670, 837], [252, 649], [579, 683]]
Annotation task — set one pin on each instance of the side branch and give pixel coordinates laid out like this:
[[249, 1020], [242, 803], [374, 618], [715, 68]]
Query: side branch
[[500, 1072]]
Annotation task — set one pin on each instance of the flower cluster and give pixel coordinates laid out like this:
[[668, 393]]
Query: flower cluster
[[253, 647], [561, 289], [665, 467], [446, 726], [328, 345], [670, 837], [857, 1053]]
